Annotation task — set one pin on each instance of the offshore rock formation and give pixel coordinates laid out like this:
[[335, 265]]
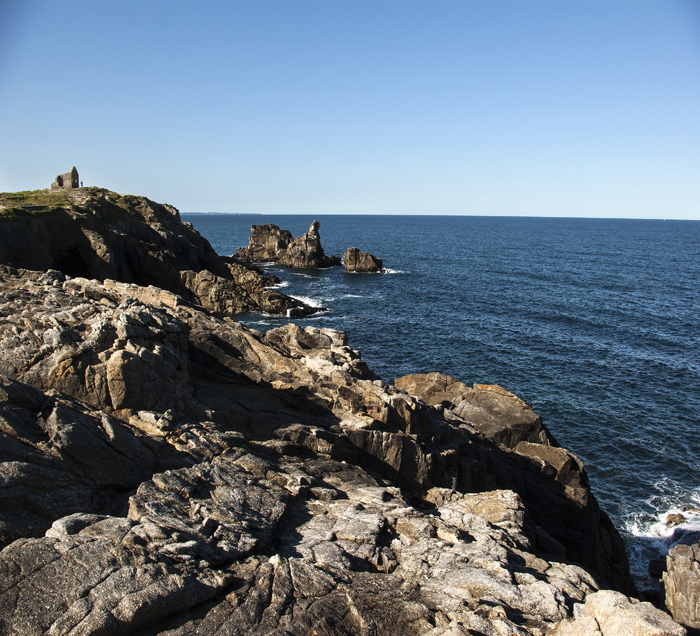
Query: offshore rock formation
[[99, 234], [167, 471], [361, 262], [269, 244]]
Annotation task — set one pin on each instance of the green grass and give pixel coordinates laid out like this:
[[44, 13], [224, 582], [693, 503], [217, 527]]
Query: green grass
[[15, 203], [111, 207], [33, 198]]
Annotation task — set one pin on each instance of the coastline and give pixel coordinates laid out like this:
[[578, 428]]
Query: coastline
[[208, 471], [593, 325]]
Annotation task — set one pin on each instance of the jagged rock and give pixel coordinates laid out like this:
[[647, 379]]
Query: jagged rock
[[361, 262], [681, 583], [305, 251], [59, 458], [496, 413], [165, 469], [99, 575], [560, 503], [267, 243], [98, 234], [609, 613], [675, 519], [340, 564]]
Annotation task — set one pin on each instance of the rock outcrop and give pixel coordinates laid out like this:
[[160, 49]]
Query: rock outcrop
[[167, 471], [609, 613], [98, 234], [496, 413], [681, 583], [361, 262], [568, 517], [269, 244]]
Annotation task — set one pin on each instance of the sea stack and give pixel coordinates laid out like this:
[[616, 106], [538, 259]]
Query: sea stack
[[269, 244], [361, 262]]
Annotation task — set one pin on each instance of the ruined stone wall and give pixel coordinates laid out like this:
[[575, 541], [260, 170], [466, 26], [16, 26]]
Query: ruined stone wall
[[66, 181]]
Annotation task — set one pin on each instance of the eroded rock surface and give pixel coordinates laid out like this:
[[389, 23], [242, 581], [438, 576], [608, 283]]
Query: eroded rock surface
[[166, 471], [609, 613], [267, 243]]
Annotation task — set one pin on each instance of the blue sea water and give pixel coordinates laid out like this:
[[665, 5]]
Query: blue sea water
[[594, 322]]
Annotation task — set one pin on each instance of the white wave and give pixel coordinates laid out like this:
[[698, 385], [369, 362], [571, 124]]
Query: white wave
[[302, 275], [352, 296], [388, 270], [659, 529], [384, 271], [312, 302], [280, 285], [321, 315], [650, 535]]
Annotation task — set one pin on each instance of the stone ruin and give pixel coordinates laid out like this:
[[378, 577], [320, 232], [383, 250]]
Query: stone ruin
[[66, 181]]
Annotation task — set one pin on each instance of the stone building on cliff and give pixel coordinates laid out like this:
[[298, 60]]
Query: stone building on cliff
[[66, 181]]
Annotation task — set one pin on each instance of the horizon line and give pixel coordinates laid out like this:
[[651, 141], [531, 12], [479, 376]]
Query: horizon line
[[482, 216]]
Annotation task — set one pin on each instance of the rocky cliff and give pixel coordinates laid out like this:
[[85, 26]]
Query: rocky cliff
[[167, 471], [681, 584], [95, 233]]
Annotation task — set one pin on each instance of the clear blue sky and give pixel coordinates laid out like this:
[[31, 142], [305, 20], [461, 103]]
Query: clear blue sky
[[507, 107]]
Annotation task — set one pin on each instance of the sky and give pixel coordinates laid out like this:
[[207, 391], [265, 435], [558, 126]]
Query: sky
[[580, 108]]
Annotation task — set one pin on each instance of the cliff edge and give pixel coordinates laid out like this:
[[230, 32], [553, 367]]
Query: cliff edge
[[98, 234]]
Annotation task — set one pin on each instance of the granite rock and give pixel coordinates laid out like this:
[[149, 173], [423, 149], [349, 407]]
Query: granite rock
[[609, 613], [267, 244], [169, 471], [681, 583], [496, 413]]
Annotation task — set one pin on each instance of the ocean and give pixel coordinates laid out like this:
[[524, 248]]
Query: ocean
[[594, 322]]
